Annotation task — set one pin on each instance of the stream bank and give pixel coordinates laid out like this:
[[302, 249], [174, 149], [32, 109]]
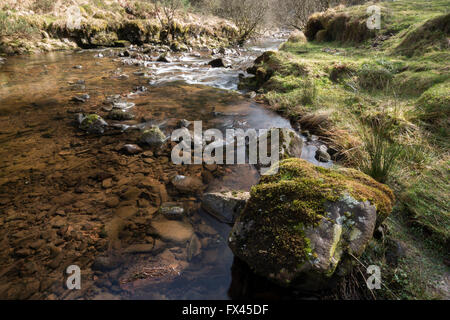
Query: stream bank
[[88, 28]]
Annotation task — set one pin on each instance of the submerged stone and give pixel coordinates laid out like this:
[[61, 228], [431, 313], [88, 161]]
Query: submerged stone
[[122, 105], [225, 206], [81, 98], [131, 149], [188, 184], [119, 114], [172, 210], [171, 230]]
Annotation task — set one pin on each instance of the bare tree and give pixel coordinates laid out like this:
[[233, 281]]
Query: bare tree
[[295, 13], [165, 11], [247, 15]]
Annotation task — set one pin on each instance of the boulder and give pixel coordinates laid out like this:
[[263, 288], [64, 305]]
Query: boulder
[[153, 137], [225, 206], [187, 184], [303, 223], [291, 144], [92, 123], [217, 63], [322, 155], [119, 114]]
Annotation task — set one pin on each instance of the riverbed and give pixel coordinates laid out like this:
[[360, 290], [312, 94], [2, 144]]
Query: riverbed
[[69, 198]]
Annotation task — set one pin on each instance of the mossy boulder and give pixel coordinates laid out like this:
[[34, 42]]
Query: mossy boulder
[[120, 114], [92, 123], [302, 223], [153, 137]]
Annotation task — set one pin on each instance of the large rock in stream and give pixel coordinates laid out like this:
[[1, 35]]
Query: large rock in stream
[[304, 223], [153, 137], [92, 123]]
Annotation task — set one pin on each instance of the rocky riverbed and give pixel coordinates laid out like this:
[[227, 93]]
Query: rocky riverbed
[[91, 191]]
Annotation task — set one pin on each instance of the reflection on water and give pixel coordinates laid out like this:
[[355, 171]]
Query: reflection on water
[[37, 135]]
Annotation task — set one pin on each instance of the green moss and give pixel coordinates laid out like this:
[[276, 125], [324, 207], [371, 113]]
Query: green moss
[[91, 118], [88, 121], [153, 136], [284, 204]]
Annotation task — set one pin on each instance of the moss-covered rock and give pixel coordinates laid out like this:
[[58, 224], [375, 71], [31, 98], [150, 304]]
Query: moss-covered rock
[[92, 123], [119, 114], [303, 221], [153, 137]]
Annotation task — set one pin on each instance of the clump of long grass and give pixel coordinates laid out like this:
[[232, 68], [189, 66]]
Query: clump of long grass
[[381, 152]]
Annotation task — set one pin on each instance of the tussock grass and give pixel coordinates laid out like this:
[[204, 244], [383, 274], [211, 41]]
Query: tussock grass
[[382, 152]]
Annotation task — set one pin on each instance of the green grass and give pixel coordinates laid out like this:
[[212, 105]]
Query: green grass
[[426, 199], [15, 26]]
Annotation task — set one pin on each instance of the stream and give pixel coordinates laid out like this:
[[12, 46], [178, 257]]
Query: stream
[[59, 188]]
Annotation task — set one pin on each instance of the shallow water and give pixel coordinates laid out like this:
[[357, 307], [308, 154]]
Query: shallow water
[[44, 157]]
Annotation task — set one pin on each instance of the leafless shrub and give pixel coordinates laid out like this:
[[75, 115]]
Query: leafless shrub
[[247, 15], [165, 11]]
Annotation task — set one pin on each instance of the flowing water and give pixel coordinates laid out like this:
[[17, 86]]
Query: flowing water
[[52, 172]]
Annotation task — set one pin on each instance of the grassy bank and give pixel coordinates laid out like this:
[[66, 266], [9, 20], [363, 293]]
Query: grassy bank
[[49, 26], [381, 100]]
